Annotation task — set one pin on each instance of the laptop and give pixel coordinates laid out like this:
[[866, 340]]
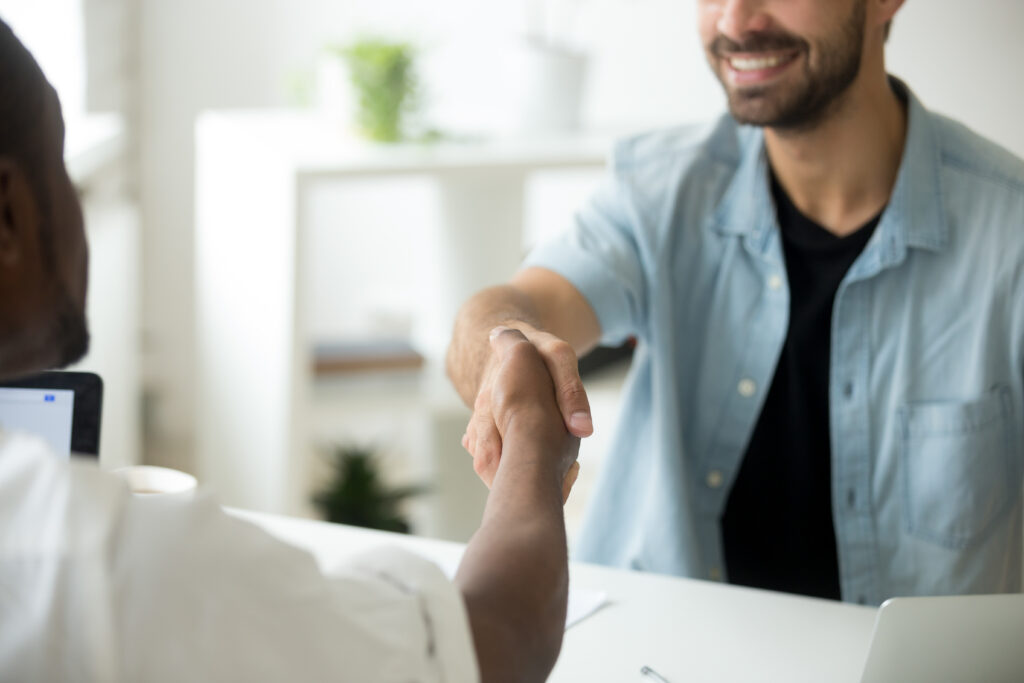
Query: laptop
[[63, 408], [969, 639]]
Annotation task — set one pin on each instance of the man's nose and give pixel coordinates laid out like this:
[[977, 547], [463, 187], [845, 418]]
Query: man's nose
[[740, 18]]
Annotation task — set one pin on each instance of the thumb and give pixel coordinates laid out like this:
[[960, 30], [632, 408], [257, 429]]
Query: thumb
[[569, 391]]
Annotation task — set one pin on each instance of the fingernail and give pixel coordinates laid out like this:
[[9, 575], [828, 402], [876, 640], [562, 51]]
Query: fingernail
[[497, 330], [581, 423]]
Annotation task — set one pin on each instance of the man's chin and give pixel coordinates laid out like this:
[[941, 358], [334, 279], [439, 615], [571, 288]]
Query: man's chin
[[760, 110], [756, 105], [70, 335], [754, 109], [74, 344], [62, 341], [73, 353]]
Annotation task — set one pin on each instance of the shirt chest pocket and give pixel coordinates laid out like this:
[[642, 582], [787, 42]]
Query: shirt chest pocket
[[957, 468]]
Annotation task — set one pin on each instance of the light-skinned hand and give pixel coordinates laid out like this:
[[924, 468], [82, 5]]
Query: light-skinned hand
[[483, 436]]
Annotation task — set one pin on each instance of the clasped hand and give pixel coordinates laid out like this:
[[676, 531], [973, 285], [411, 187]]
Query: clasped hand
[[533, 373]]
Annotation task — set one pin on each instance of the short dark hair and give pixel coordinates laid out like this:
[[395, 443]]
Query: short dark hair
[[22, 97], [23, 93]]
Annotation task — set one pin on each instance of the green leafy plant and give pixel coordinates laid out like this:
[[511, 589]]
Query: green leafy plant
[[358, 496], [384, 77]]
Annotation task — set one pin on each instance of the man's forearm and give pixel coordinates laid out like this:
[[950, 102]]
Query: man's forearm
[[514, 574], [470, 349]]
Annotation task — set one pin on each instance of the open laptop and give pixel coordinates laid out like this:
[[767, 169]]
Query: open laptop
[[64, 408], [969, 639]]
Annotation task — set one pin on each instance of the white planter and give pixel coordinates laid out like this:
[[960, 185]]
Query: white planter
[[551, 86]]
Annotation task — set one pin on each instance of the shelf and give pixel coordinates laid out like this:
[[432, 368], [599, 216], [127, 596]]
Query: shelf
[[365, 356]]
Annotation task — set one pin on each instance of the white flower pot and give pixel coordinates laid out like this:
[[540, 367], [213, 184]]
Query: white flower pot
[[551, 87]]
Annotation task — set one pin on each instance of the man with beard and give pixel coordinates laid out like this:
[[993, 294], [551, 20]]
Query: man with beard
[[98, 585], [827, 287]]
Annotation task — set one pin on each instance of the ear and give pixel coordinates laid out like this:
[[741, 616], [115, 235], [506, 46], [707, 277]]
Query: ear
[[885, 10], [19, 215]]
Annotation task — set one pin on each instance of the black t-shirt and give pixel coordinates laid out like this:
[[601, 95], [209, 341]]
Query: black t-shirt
[[777, 529]]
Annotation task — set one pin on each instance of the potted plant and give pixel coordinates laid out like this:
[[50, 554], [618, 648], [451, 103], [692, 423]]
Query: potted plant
[[357, 494], [386, 87]]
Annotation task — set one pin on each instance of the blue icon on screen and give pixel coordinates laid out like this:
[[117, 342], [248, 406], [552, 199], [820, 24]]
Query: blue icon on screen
[[49, 398]]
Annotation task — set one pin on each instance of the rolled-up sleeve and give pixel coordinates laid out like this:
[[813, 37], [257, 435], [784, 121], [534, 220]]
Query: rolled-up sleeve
[[601, 257], [449, 643]]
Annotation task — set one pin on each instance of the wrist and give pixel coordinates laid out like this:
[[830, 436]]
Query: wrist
[[536, 426], [536, 443], [530, 475]]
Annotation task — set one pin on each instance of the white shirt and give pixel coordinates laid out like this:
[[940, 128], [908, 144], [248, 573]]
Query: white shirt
[[98, 585]]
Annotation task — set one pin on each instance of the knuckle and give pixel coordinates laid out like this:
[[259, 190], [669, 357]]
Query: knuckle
[[480, 423], [482, 402], [512, 334], [489, 446], [540, 337], [478, 465], [560, 350], [484, 464]]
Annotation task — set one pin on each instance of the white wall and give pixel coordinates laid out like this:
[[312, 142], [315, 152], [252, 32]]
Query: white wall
[[113, 310], [202, 54], [648, 70], [962, 59]]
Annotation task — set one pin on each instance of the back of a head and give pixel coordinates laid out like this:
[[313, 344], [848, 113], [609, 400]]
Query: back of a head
[[44, 277], [23, 90]]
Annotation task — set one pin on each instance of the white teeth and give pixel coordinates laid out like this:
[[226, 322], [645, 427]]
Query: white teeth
[[755, 63]]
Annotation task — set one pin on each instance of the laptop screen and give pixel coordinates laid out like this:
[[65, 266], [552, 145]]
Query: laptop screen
[[47, 413], [62, 408]]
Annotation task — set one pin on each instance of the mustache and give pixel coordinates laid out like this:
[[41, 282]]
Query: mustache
[[756, 42]]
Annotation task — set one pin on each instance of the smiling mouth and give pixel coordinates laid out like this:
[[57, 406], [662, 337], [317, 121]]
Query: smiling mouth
[[757, 69], [745, 63]]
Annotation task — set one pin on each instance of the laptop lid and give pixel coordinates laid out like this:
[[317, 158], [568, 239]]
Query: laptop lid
[[64, 408], [958, 638]]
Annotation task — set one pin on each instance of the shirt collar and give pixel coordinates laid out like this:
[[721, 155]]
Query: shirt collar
[[914, 216]]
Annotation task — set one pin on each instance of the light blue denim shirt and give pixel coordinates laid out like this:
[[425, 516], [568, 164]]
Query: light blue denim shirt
[[681, 249]]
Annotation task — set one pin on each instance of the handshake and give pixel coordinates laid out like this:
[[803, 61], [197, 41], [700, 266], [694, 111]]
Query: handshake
[[530, 395], [529, 413]]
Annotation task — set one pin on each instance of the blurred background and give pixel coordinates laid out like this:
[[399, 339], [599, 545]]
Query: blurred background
[[287, 201]]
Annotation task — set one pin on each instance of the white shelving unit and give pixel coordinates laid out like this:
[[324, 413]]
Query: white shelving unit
[[257, 175]]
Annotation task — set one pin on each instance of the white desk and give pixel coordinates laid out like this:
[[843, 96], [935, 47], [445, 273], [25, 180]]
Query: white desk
[[256, 175], [688, 631]]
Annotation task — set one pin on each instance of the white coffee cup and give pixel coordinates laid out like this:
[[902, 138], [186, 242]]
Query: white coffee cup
[[146, 480]]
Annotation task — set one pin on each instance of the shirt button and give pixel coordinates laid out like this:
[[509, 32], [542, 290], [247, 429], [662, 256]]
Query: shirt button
[[715, 574], [848, 390], [775, 282], [747, 388], [715, 478]]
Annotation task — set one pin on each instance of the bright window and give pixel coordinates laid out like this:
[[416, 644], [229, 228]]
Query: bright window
[[53, 31]]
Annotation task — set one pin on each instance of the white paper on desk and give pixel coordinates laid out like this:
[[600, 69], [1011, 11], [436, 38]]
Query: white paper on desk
[[582, 601]]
